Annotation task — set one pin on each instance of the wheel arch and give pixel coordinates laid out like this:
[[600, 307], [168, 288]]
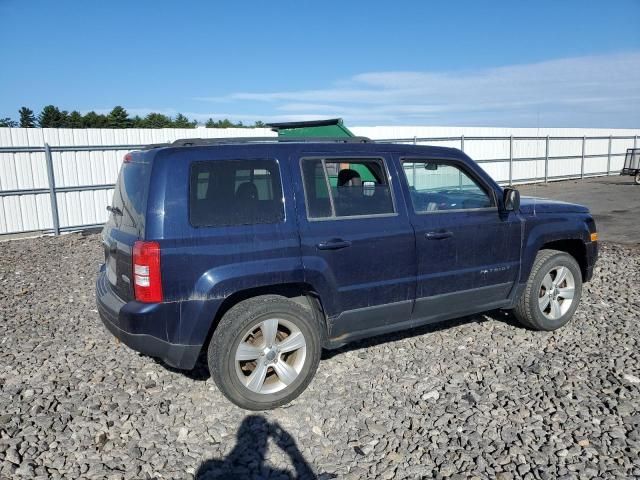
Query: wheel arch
[[299, 292], [563, 233], [574, 247]]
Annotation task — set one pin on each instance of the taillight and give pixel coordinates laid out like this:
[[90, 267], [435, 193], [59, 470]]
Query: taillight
[[127, 158], [147, 281]]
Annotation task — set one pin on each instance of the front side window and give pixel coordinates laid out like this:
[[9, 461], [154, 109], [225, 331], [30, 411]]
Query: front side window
[[436, 186], [346, 187], [235, 192]]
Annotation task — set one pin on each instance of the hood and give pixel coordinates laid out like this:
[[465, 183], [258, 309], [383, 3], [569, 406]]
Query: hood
[[544, 205]]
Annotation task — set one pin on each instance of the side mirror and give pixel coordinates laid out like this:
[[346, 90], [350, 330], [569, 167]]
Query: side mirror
[[511, 199], [431, 166]]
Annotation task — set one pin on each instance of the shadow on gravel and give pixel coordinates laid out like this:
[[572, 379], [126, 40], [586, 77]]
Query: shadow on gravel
[[498, 315], [201, 373], [247, 459]]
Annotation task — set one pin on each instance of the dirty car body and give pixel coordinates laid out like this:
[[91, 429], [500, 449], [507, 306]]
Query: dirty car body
[[406, 250]]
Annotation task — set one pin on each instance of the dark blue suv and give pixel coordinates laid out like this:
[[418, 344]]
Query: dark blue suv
[[263, 252]]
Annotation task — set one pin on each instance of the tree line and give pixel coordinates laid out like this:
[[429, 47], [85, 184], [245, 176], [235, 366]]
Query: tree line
[[52, 117]]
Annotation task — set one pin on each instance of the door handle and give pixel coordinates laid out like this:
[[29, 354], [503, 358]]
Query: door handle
[[335, 244], [438, 235]]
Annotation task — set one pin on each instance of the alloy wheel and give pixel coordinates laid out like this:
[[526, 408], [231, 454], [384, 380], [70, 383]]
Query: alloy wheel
[[270, 356], [556, 292]]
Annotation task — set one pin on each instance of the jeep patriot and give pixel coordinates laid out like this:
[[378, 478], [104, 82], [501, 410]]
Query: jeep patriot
[[262, 252]]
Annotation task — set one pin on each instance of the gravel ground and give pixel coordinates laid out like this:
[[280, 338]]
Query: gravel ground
[[475, 398]]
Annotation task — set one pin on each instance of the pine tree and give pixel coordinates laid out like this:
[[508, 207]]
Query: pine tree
[[226, 123], [27, 118], [183, 122], [64, 119], [157, 120], [75, 120], [51, 117], [118, 118], [7, 122], [94, 120], [137, 122]]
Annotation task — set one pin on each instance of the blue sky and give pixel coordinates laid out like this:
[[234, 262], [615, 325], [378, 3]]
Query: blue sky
[[511, 63]]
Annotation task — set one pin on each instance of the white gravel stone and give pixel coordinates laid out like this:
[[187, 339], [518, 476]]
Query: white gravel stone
[[631, 378], [75, 404]]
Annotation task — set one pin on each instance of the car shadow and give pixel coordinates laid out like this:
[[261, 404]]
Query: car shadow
[[201, 370], [199, 373], [247, 459], [498, 315]]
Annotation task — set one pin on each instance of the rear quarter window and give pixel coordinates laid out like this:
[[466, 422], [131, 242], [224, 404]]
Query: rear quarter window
[[235, 192], [130, 196]]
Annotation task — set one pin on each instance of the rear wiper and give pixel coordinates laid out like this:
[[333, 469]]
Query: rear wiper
[[114, 210]]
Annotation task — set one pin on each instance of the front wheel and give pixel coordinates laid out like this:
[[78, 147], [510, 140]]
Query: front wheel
[[637, 178], [552, 293], [264, 352]]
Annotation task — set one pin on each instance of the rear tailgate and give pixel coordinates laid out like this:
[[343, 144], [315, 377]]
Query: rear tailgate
[[126, 222]]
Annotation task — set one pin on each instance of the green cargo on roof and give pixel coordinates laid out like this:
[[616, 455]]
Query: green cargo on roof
[[315, 128]]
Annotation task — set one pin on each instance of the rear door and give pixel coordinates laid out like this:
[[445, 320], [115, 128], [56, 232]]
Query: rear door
[[468, 251], [356, 239], [126, 222]]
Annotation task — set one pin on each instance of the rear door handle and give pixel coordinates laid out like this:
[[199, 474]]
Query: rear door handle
[[438, 235], [335, 244]]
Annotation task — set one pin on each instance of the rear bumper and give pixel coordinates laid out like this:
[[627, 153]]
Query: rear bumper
[[141, 326]]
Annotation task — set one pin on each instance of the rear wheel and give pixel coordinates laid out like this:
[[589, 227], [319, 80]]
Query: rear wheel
[[264, 352], [552, 293]]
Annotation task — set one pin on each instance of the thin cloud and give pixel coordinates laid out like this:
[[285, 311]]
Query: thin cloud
[[599, 90]]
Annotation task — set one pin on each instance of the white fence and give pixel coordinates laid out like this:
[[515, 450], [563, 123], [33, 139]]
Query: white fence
[[80, 176], [525, 155], [62, 179]]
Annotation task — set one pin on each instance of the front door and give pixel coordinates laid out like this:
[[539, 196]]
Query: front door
[[357, 242], [468, 251]]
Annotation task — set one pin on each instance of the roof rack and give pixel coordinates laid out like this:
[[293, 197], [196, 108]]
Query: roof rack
[[191, 142]]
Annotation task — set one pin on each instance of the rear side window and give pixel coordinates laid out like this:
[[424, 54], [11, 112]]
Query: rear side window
[[235, 192], [346, 187]]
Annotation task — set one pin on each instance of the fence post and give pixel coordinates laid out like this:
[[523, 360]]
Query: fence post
[[511, 160], [635, 141], [462, 142], [584, 141], [546, 161], [52, 189], [415, 140], [609, 156]]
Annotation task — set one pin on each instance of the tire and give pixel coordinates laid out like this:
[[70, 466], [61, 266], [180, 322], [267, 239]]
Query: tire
[[636, 179], [287, 372], [542, 305]]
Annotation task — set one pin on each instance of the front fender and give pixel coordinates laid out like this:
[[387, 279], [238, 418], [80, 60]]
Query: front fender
[[541, 230]]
